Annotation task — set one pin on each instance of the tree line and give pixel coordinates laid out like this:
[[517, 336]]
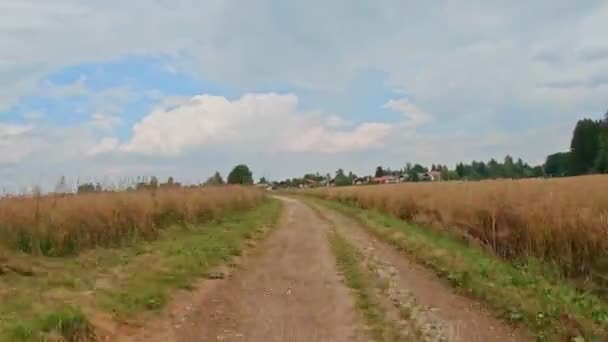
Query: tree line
[[588, 151], [240, 174]]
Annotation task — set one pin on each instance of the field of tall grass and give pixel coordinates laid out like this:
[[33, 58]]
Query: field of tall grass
[[58, 225], [563, 222]]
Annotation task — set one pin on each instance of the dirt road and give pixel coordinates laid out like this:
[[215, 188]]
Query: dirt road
[[290, 290]]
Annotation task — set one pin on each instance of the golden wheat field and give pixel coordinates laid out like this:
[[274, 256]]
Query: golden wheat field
[[65, 224], [563, 221]]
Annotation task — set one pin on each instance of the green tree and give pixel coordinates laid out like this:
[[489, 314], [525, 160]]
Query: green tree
[[494, 169], [480, 169], [519, 168], [601, 159], [216, 179], [558, 164], [413, 177], [537, 171], [240, 174], [509, 167], [408, 167], [419, 168], [86, 188], [263, 180], [584, 146], [460, 170], [445, 173], [379, 171]]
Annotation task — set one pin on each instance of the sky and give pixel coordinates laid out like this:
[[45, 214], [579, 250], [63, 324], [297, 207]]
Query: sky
[[108, 90]]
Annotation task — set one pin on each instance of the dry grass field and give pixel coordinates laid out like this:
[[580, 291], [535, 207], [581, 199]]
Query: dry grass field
[[58, 225], [561, 221]]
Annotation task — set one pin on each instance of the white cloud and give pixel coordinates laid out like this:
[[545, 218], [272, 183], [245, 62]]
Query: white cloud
[[105, 120], [107, 144], [486, 66], [414, 116], [74, 89], [270, 121], [322, 139]]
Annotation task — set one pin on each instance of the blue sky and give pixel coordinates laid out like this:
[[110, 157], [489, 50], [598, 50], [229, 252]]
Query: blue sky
[[191, 87]]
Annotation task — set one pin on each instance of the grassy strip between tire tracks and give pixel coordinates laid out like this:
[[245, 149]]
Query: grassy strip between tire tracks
[[348, 261], [56, 303], [549, 306]]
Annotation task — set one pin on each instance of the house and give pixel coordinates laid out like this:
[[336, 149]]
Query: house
[[430, 176], [362, 180], [424, 176], [434, 175], [385, 180], [311, 183]]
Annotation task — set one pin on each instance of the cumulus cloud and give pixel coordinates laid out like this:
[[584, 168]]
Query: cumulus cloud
[[105, 120], [486, 65], [413, 115], [107, 144], [270, 121]]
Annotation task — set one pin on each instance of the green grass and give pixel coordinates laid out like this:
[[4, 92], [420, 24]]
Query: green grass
[[348, 261], [67, 323], [129, 283], [522, 294]]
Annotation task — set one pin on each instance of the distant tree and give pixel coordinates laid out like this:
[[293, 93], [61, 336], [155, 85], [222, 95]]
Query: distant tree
[[558, 164], [313, 177], [445, 173], [584, 146], [509, 167], [379, 171], [171, 183], [86, 188], [494, 169], [419, 168], [263, 180], [601, 159], [408, 167], [460, 170], [153, 182], [413, 176], [216, 179], [480, 169], [240, 174], [537, 171], [519, 168]]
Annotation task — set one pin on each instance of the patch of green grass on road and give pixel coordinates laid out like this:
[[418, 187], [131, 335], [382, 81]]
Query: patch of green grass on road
[[550, 307], [124, 282], [348, 260]]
